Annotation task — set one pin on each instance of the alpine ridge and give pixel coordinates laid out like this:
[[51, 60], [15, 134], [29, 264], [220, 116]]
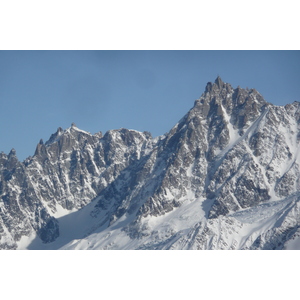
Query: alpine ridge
[[226, 176]]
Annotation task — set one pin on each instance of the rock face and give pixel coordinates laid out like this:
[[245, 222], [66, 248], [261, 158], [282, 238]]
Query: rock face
[[65, 174], [226, 176]]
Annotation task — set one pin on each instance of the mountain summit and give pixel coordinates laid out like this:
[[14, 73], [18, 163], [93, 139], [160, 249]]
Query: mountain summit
[[226, 176]]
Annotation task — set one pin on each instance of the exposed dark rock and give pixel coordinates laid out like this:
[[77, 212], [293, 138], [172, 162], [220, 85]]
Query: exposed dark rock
[[233, 149]]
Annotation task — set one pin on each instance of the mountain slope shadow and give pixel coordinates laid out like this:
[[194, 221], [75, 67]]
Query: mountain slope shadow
[[96, 216], [71, 227]]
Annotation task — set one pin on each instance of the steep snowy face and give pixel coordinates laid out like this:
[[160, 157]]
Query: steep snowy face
[[207, 154], [226, 176], [262, 163], [65, 174], [231, 152]]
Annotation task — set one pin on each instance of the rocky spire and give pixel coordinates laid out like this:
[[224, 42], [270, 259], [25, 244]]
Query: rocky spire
[[41, 149], [12, 152], [219, 82], [55, 136], [3, 157], [208, 87], [217, 85], [12, 158]]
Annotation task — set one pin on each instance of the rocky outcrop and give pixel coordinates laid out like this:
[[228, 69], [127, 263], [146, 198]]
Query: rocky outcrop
[[231, 153], [67, 172]]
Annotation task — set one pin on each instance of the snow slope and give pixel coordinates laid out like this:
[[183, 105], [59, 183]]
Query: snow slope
[[226, 176]]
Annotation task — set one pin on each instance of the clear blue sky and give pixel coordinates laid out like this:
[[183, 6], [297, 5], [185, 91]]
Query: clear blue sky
[[142, 90]]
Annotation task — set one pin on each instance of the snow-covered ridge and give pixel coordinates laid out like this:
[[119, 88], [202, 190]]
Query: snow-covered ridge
[[226, 176]]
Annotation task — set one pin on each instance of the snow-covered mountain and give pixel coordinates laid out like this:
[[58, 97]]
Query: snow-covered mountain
[[226, 176]]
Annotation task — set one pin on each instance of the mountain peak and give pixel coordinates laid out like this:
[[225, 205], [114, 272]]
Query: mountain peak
[[12, 152], [224, 177], [217, 85], [219, 82]]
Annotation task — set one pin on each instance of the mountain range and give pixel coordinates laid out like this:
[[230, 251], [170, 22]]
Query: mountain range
[[226, 176]]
